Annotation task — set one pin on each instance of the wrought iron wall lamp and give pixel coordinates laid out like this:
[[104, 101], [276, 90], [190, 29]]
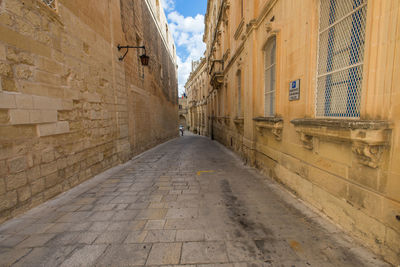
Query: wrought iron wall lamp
[[144, 59]]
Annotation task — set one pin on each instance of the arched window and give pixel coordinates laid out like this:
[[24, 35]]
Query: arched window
[[269, 77], [239, 92]]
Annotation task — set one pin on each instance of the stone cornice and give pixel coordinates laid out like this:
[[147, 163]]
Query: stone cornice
[[342, 124]]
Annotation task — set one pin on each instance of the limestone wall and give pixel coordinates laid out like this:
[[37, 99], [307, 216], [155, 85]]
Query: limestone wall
[[347, 168], [69, 109], [197, 87]]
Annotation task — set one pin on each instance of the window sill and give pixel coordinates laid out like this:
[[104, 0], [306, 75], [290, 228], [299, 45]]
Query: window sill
[[272, 124], [368, 138], [342, 123]]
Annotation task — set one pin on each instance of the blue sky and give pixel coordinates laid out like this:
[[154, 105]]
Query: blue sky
[[186, 22]]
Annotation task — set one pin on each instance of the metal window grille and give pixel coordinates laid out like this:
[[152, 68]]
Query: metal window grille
[[50, 3], [269, 77], [340, 57]]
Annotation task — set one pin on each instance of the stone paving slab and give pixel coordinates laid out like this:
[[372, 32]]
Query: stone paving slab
[[125, 255], [164, 253], [204, 252], [185, 203]]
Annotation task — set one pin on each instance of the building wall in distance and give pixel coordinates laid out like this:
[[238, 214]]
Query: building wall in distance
[[183, 112], [196, 88], [69, 109]]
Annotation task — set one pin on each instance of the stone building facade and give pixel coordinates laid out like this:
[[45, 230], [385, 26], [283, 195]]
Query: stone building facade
[[183, 111], [307, 92], [69, 109], [197, 90]]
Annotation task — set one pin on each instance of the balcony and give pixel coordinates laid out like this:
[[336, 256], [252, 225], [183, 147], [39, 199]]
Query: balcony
[[217, 73]]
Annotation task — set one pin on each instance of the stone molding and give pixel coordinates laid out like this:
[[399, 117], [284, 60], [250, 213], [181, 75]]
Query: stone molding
[[222, 120], [250, 25], [239, 30], [219, 119], [272, 124], [225, 12], [227, 120], [239, 124], [368, 138]]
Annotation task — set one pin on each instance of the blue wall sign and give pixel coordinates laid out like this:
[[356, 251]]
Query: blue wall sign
[[294, 90]]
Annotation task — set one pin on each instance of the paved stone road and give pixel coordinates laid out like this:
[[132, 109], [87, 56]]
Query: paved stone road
[[187, 202]]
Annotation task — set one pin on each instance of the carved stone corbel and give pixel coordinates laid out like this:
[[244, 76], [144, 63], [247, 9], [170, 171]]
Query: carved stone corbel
[[250, 25], [272, 124], [225, 13], [239, 124], [227, 120], [239, 62], [269, 26], [369, 155], [277, 131], [219, 35], [308, 141]]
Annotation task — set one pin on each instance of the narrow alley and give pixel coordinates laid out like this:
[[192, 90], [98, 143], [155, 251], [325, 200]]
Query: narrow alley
[[187, 202], [292, 143]]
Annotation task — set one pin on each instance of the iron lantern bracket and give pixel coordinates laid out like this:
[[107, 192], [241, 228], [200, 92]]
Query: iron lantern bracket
[[127, 50]]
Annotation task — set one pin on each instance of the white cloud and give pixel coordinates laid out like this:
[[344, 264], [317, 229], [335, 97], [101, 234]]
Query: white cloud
[[188, 35], [187, 24], [168, 5]]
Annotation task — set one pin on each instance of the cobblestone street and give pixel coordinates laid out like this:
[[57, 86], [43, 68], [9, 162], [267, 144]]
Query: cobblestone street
[[187, 202]]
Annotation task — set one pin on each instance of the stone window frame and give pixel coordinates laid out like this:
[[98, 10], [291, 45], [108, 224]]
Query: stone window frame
[[241, 3], [239, 91], [269, 48], [369, 139], [329, 99]]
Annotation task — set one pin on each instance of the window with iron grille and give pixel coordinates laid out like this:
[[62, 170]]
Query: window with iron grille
[[340, 58], [50, 3], [239, 93], [269, 77]]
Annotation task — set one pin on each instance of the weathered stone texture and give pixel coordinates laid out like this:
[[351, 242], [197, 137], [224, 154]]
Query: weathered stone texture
[[69, 109], [346, 165]]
